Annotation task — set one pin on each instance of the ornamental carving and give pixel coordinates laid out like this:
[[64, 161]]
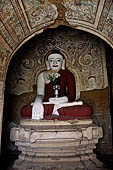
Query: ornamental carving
[[39, 12], [106, 20], [84, 53], [20, 19], [81, 10]]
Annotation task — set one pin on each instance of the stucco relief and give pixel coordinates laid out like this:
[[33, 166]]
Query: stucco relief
[[6, 36], [81, 10], [2, 67], [3, 52], [2, 87], [10, 20], [106, 20], [84, 55], [39, 12], [20, 15], [18, 19], [108, 26]]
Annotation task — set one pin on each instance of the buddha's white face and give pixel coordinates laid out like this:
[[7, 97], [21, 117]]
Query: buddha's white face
[[55, 61]]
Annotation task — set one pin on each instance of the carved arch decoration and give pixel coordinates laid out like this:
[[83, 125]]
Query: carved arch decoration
[[22, 19], [84, 54]]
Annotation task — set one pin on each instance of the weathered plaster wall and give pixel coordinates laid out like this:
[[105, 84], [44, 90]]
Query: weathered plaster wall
[[22, 19]]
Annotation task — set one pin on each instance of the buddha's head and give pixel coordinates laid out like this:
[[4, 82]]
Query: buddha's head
[[55, 60]]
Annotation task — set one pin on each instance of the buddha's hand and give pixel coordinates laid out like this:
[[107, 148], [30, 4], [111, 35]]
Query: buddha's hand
[[37, 111], [56, 100]]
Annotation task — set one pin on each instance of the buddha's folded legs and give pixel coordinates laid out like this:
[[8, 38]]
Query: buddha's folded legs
[[65, 113], [26, 111]]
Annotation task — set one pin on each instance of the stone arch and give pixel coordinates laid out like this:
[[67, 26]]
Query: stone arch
[[79, 27], [2, 85]]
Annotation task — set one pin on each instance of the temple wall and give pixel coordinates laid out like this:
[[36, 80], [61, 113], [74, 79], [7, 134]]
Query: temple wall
[[21, 20], [100, 100]]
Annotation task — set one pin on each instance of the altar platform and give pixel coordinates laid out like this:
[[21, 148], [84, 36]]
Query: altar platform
[[47, 142]]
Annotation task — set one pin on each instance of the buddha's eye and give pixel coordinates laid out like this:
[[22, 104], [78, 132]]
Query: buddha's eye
[[50, 60], [58, 60]]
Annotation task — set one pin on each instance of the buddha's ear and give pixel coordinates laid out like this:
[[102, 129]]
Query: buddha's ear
[[63, 64], [47, 65]]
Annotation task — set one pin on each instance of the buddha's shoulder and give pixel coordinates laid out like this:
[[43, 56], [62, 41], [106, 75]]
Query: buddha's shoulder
[[43, 73]]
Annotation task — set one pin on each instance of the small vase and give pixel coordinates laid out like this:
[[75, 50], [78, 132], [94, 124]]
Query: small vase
[[56, 90]]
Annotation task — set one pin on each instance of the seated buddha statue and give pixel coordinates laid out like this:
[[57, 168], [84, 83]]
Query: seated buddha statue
[[59, 103]]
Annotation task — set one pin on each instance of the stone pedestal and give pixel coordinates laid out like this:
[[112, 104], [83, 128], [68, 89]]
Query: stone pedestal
[[43, 142]]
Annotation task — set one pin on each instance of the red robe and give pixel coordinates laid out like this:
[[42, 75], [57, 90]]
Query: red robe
[[67, 88]]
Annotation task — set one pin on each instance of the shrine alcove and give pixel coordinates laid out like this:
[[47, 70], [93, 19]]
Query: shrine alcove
[[85, 57], [83, 32]]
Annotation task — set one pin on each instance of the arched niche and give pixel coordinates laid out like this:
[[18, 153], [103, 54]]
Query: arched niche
[[78, 27], [80, 49], [73, 70]]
